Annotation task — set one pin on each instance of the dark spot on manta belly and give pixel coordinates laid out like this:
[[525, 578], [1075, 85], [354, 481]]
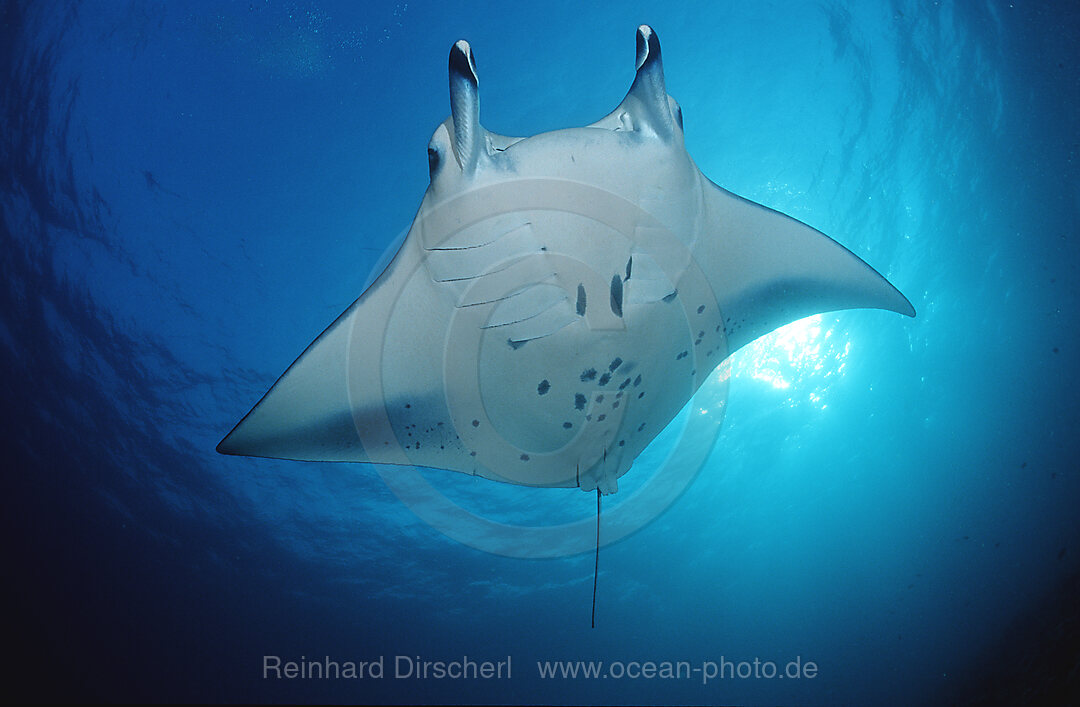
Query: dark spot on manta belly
[[681, 356], [476, 423], [604, 379], [567, 425], [701, 309], [588, 375], [579, 401], [581, 300], [544, 387], [614, 364], [616, 295]]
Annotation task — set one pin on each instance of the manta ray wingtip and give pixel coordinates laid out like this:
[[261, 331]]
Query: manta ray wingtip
[[909, 309]]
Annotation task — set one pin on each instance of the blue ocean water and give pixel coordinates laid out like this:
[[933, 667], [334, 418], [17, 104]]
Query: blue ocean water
[[191, 192]]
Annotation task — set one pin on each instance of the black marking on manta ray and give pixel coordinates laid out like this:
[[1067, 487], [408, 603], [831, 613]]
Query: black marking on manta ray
[[629, 264], [700, 309], [579, 401], [581, 300], [567, 425], [622, 386], [614, 364], [682, 355], [588, 375], [604, 379], [515, 345], [544, 387], [671, 297], [616, 295]]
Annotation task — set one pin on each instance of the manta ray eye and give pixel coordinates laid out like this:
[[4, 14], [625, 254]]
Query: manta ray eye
[[433, 158]]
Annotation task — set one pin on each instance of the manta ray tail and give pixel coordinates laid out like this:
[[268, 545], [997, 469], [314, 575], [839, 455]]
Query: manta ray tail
[[596, 564]]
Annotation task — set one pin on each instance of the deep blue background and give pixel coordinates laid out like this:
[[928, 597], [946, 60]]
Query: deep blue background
[[191, 192]]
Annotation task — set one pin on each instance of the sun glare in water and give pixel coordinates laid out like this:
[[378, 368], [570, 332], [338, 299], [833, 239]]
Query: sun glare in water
[[802, 359]]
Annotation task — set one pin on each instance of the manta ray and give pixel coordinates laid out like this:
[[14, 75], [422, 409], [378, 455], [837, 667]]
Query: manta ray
[[556, 302]]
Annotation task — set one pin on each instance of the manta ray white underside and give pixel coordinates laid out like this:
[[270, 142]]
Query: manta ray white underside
[[556, 302]]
